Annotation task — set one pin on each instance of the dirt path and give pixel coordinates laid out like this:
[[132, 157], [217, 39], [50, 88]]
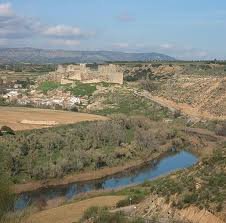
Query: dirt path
[[182, 107], [19, 118], [72, 212]]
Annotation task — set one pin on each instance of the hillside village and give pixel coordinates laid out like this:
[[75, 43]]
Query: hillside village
[[14, 92]]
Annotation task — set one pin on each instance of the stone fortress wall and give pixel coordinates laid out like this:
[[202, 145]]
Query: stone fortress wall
[[88, 73]]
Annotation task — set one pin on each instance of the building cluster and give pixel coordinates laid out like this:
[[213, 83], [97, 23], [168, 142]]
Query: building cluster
[[26, 93], [56, 99]]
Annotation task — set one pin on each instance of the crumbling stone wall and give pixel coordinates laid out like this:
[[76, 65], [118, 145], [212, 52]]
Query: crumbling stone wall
[[84, 73]]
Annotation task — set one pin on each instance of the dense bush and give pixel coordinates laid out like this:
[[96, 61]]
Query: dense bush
[[221, 129], [7, 130], [135, 198], [48, 86], [54, 152], [149, 85], [82, 89], [139, 74], [6, 196]]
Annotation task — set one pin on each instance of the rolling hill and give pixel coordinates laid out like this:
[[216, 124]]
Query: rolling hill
[[31, 55]]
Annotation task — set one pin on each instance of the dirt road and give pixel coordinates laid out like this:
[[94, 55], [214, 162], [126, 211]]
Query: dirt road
[[185, 109]]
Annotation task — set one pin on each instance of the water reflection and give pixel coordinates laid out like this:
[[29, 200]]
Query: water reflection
[[154, 169]]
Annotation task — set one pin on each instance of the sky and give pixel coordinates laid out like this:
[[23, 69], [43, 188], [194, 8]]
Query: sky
[[185, 29]]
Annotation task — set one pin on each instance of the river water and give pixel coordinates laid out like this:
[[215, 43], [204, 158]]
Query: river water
[[156, 168]]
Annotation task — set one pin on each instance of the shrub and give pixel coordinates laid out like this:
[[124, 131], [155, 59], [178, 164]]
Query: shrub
[[6, 197], [190, 198], [48, 86], [149, 85], [81, 89], [3, 102], [7, 130], [90, 212], [221, 129], [133, 199], [102, 215]]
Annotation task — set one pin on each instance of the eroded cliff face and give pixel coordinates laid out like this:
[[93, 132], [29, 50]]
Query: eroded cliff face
[[156, 207], [199, 87]]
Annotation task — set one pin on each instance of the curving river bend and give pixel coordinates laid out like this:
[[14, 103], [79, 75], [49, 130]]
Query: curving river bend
[[171, 162]]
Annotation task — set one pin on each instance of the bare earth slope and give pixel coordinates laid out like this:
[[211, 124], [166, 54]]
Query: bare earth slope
[[194, 112], [195, 95]]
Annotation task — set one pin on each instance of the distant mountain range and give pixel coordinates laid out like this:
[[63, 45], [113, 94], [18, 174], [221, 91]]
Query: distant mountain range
[[41, 56]]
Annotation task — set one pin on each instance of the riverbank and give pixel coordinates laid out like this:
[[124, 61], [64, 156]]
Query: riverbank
[[88, 175], [202, 143]]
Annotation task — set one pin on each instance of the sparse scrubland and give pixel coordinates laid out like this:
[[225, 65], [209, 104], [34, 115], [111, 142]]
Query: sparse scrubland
[[202, 186], [122, 101], [102, 215]]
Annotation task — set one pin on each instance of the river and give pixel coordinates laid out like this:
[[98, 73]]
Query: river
[[171, 162]]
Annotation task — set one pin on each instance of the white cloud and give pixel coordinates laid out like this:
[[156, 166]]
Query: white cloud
[[62, 31], [13, 26], [65, 42], [166, 46], [6, 9], [16, 28]]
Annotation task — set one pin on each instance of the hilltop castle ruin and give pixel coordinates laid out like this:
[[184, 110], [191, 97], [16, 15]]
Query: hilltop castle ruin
[[87, 73]]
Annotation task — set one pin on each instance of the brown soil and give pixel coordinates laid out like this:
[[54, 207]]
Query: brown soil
[[197, 96], [72, 212], [14, 118]]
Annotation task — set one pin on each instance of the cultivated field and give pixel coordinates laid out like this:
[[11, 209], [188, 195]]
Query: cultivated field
[[31, 118]]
